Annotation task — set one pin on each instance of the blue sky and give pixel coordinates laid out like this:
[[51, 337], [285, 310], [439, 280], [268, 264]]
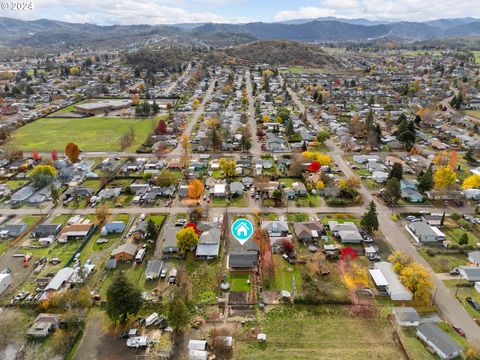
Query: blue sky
[[107, 12]]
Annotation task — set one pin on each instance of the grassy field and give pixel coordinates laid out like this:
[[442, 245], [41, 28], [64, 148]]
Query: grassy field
[[462, 293], [474, 113], [300, 332], [303, 70], [239, 282], [90, 134]]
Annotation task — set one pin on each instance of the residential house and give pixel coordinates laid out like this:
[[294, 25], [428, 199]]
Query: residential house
[[387, 280], [113, 227], [308, 231], [43, 325], [57, 283], [5, 282], [409, 191], [46, 230], [219, 190], [170, 240], [208, 245], [236, 188], [125, 252], [243, 261], [275, 144], [422, 232], [443, 345], [12, 230], [140, 230], [470, 273], [299, 188], [154, 267], [347, 232], [75, 231]]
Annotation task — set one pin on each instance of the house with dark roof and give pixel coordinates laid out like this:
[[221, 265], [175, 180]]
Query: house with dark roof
[[170, 240], [46, 230], [242, 261], [124, 252], [443, 345], [12, 230]]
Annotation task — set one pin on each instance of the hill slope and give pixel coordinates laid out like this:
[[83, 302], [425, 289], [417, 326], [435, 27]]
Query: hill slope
[[275, 52]]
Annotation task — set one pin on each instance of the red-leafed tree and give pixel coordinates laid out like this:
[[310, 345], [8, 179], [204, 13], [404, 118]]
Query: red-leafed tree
[[161, 127], [35, 155], [266, 261], [260, 133], [288, 246], [193, 226], [54, 155], [314, 167], [348, 253]]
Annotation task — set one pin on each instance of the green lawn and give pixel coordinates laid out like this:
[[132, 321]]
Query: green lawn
[[15, 184], [310, 332], [238, 282], [302, 70], [443, 263], [90, 134], [455, 235], [284, 272], [464, 292], [413, 345]]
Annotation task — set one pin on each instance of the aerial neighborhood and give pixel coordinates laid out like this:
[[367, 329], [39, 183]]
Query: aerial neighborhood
[[167, 200]]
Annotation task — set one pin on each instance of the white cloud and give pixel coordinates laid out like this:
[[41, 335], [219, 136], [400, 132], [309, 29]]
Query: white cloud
[[105, 12], [414, 10]]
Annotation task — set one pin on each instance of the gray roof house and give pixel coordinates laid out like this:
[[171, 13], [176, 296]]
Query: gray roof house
[[406, 316], [208, 244], [45, 230], [299, 188], [275, 228], [470, 273], [13, 230], [113, 227], [443, 345], [154, 267], [350, 236], [246, 261], [170, 240], [236, 188], [422, 232]]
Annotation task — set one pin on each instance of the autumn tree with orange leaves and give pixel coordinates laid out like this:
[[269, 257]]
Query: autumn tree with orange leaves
[[195, 189], [72, 151]]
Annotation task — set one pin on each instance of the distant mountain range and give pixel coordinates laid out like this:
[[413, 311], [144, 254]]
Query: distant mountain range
[[48, 32]]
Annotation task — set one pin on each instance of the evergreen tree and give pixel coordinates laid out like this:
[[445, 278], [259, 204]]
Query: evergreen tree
[[369, 220], [425, 180], [396, 171], [123, 298]]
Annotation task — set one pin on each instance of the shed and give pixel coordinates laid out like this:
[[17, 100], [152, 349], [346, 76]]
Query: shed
[[406, 316]]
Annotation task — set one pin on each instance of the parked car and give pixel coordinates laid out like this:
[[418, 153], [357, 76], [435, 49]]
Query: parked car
[[412, 218], [459, 330], [454, 272], [181, 222], [163, 273], [472, 302]]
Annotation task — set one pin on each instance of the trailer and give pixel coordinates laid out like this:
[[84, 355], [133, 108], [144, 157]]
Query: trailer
[[137, 342], [151, 319], [140, 255]]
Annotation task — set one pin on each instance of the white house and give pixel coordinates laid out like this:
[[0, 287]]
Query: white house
[[474, 258], [219, 190]]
